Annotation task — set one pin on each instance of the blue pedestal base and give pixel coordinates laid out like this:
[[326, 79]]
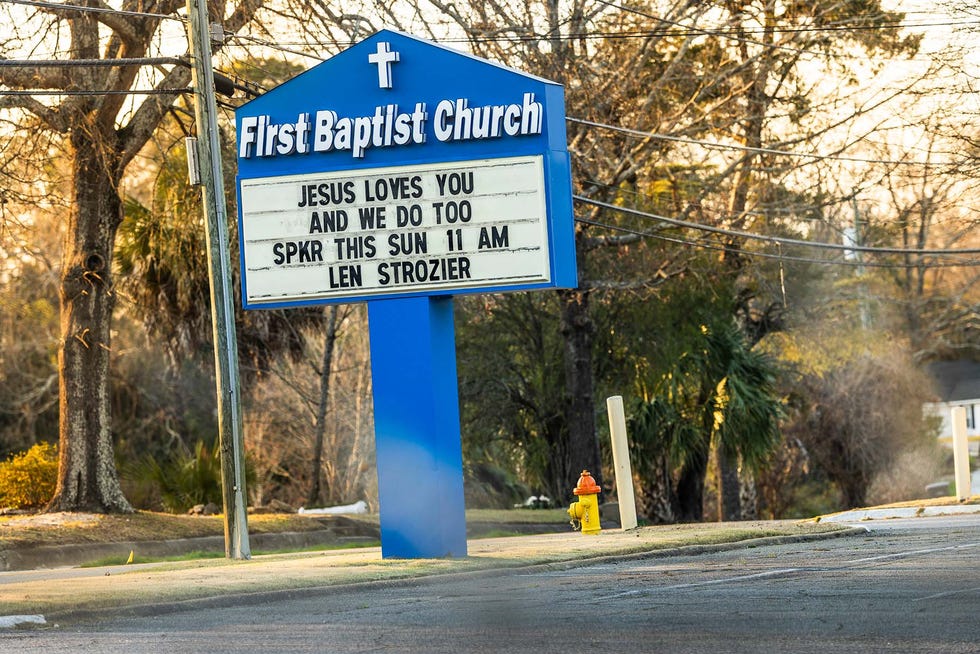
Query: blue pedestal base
[[416, 426]]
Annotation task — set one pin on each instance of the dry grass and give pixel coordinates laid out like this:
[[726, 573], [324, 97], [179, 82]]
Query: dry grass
[[517, 516], [61, 528]]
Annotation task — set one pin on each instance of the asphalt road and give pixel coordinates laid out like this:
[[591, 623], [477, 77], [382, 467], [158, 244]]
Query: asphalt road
[[906, 586]]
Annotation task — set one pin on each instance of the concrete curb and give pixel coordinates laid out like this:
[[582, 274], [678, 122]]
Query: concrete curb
[[423, 578], [13, 621], [858, 515]]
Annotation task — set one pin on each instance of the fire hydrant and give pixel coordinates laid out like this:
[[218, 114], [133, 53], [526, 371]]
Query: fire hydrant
[[586, 510]]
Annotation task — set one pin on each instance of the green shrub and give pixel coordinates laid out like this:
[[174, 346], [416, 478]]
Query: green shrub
[[187, 479], [28, 479], [180, 481]]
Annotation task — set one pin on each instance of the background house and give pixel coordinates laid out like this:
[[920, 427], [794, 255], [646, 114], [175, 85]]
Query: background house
[[957, 384]]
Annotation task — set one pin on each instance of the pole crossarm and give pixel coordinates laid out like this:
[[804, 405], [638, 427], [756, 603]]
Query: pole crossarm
[[124, 61]]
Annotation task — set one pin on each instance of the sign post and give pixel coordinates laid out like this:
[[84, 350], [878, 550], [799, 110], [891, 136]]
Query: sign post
[[416, 424], [402, 173]]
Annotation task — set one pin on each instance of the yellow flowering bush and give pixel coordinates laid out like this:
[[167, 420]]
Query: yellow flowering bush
[[28, 479]]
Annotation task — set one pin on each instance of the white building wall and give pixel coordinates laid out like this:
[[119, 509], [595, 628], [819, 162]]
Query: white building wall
[[942, 410]]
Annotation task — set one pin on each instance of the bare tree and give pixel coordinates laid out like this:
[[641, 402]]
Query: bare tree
[[927, 205], [102, 110], [303, 407], [28, 332], [860, 417], [329, 341]]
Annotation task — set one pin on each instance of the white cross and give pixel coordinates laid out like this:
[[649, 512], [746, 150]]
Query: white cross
[[384, 57]]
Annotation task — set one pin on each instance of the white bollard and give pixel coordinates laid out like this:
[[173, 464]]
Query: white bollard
[[961, 453], [621, 462]]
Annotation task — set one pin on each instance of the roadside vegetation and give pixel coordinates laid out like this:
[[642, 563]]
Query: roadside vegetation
[[713, 144]]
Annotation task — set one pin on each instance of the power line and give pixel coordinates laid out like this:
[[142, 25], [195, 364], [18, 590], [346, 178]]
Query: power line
[[276, 46], [170, 60], [745, 148], [58, 6], [99, 93], [663, 137], [778, 239], [59, 63], [679, 31], [252, 91], [702, 32], [763, 209], [768, 255], [720, 248], [224, 84], [841, 27]]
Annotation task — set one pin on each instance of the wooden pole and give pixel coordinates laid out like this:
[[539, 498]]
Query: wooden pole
[[230, 426]]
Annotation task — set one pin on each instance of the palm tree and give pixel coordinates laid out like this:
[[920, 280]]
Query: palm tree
[[721, 394]]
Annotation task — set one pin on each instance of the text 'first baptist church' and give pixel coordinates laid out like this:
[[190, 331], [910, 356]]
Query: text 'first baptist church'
[[453, 120]]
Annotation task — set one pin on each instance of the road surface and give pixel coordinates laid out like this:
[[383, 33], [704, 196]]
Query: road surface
[[905, 586]]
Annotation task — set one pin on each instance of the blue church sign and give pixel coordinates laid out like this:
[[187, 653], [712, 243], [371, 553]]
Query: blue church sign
[[401, 167], [401, 172]]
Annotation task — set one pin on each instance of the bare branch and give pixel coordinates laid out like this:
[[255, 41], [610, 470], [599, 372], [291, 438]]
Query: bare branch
[[51, 117], [593, 242]]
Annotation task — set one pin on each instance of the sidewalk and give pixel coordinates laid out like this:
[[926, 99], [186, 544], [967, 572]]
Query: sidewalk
[[857, 515], [72, 594]]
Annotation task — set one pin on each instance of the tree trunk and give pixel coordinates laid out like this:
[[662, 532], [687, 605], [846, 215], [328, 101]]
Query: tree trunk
[[321, 414], [748, 495], [690, 484], [854, 490], [690, 488], [659, 503], [87, 478], [729, 488], [578, 333]]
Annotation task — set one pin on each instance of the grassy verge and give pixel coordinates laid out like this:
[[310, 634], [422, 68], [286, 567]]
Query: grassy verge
[[74, 528], [62, 528], [198, 555], [517, 516]]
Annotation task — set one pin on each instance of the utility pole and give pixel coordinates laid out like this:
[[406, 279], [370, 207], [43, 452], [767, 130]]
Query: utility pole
[[208, 151], [865, 310]]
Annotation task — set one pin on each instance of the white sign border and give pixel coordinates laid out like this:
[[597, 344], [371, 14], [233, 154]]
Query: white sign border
[[424, 288]]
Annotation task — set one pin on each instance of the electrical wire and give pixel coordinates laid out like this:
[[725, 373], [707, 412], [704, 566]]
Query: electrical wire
[[61, 63], [680, 30], [780, 257], [705, 245], [764, 209], [789, 30], [744, 148], [58, 6], [98, 93], [664, 137], [778, 239], [276, 46], [703, 32]]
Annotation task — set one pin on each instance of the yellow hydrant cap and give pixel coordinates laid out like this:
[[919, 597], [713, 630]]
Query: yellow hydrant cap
[[587, 485]]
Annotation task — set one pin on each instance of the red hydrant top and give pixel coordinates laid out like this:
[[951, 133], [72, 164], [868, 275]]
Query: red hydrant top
[[587, 485]]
